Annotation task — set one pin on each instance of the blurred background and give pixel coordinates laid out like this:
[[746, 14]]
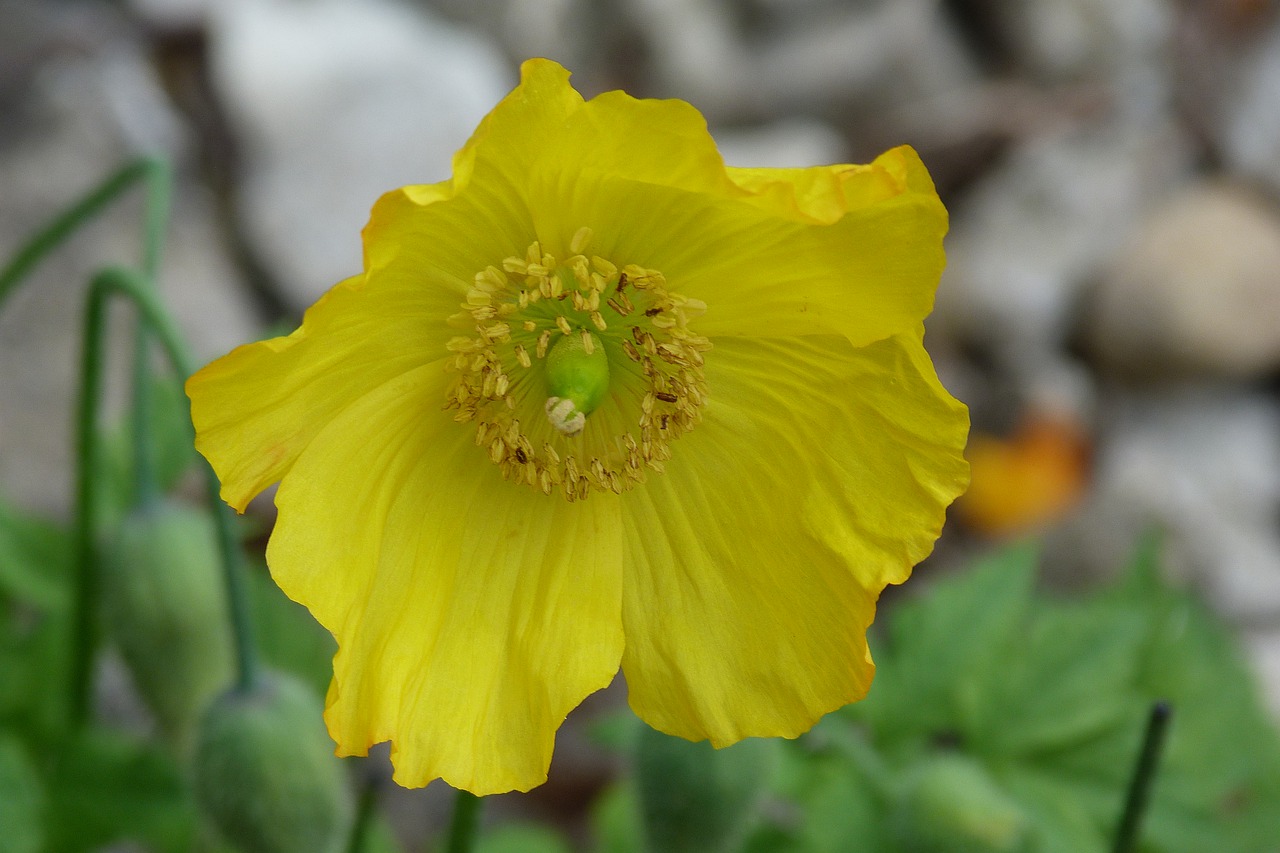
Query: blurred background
[[1110, 312]]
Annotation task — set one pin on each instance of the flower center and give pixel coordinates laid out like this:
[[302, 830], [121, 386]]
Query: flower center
[[580, 373]]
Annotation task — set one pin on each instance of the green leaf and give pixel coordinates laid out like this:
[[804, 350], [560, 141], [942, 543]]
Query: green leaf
[[517, 838], [940, 647], [34, 558], [840, 808], [21, 799], [615, 820], [1061, 823], [107, 787], [694, 797], [35, 654], [1072, 681]]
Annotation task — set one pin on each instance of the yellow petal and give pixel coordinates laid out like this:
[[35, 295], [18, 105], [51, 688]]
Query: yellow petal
[[825, 193], [819, 474], [543, 142], [472, 614], [867, 276], [849, 250], [256, 408]]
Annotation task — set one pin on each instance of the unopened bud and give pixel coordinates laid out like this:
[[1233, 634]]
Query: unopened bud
[[166, 606], [265, 772]]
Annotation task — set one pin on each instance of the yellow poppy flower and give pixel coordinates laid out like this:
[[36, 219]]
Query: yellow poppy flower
[[599, 400]]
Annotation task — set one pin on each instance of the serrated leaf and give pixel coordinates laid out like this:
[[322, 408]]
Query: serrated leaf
[[1073, 681], [108, 787]]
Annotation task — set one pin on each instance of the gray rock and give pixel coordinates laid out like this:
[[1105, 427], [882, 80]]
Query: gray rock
[[1202, 463], [819, 55], [1248, 129], [1263, 650], [1074, 39], [786, 143], [1195, 291], [87, 112], [337, 102], [1030, 236]]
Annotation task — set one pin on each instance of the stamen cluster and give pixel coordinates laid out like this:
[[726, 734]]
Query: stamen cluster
[[518, 310]]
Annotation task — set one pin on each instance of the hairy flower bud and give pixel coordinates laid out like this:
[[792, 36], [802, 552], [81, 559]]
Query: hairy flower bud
[[165, 604], [265, 773]]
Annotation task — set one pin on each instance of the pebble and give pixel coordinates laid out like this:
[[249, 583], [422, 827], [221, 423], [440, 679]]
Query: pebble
[[335, 103], [1201, 463], [87, 112], [1194, 291], [1029, 237]]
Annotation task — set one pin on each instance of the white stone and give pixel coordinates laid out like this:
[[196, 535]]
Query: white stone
[[1249, 128], [881, 52], [1263, 650], [1195, 291], [1087, 38], [1202, 464], [787, 143], [1031, 235], [337, 102], [94, 112]]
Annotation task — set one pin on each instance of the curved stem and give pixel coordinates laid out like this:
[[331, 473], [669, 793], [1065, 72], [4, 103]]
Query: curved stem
[[136, 288], [159, 192], [153, 171], [157, 177], [466, 820]]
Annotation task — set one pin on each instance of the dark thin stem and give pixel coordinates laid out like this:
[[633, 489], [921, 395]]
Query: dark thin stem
[[1144, 776], [153, 171], [466, 820], [136, 288]]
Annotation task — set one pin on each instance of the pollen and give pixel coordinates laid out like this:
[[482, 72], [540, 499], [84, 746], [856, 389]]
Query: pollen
[[578, 372]]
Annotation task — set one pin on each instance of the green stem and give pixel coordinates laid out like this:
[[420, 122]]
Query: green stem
[[365, 809], [466, 820], [136, 288], [159, 192], [1144, 776], [154, 172]]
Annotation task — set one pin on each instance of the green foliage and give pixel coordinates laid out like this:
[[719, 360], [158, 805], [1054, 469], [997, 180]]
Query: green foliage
[[21, 799], [521, 838], [696, 799], [265, 772], [950, 804], [35, 598], [107, 787], [33, 556], [1041, 703]]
